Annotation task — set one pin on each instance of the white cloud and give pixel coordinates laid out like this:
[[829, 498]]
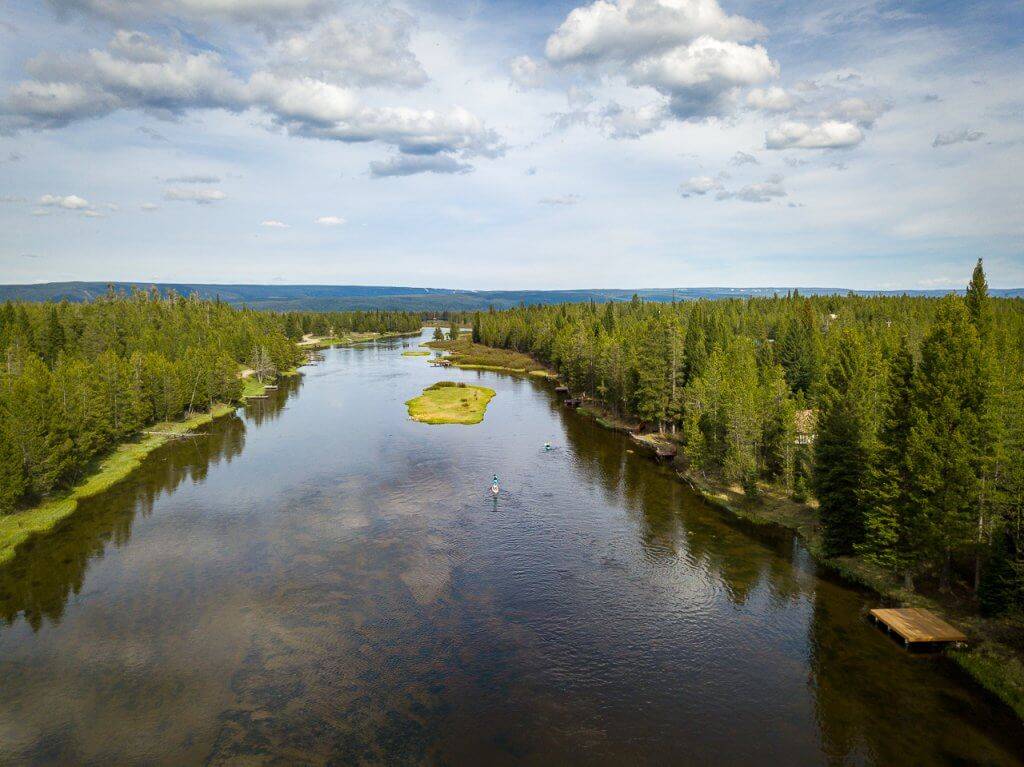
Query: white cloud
[[193, 179], [698, 78], [149, 207], [856, 110], [156, 135], [527, 72], [690, 51], [330, 221], [273, 224], [631, 122], [699, 186], [744, 158], [410, 164], [578, 97], [171, 82], [564, 200], [830, 134], [198, 196], [948, 138], [629, 29], [363, 51], [263, 13], [773, 99], [66, 88], [763, 192], [136, 46], [68, 202]]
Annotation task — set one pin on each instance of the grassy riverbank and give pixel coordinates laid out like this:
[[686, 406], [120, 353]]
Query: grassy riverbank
[[449, 402], [17, 528], [313, 343], [995, 656], [465, 354], [255, 389]]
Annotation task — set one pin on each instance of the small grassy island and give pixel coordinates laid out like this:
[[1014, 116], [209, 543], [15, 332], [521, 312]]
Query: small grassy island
[[465, 354], [450, 402], [416, 353]]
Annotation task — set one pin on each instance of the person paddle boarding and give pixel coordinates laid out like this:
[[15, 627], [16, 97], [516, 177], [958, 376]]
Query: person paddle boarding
[[494, 486]]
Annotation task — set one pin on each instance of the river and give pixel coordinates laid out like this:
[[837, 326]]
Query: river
[[318, 579]]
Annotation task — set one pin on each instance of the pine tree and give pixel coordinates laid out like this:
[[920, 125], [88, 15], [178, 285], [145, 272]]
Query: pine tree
[[943, 447], [651, 391], [977, 302], [893, 533], [988, 438], [778, 416], [26, 418], [845, 444]]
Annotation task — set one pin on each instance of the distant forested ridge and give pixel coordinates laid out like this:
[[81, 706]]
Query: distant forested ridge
[[76, 379], [903, 416], [431, 300]]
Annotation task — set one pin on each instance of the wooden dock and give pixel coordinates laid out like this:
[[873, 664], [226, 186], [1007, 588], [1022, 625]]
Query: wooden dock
[[917, 626]]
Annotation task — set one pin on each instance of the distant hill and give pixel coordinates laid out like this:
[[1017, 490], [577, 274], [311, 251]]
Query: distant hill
[[348, 297]]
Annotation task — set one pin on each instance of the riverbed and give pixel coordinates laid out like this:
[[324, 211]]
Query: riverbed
[[318, 579]]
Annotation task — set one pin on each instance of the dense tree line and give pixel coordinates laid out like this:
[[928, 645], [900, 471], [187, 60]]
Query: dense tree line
[[297, 324], [77, 379], [916, 456]]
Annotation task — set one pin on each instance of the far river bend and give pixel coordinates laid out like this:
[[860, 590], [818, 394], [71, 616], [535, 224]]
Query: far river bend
[[319, 580]]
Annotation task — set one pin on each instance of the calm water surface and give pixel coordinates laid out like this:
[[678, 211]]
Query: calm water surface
[[320, 580]]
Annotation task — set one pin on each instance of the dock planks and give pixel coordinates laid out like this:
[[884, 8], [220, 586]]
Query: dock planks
[[916, 626]]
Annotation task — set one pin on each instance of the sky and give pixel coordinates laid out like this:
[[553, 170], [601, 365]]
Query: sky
[[510, 144]]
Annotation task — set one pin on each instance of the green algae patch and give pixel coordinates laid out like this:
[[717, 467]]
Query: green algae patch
[[450, 402], [17, 528]]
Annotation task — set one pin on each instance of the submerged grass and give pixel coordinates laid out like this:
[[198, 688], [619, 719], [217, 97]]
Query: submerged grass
[[448, 402], [17, 528], [997, 670]]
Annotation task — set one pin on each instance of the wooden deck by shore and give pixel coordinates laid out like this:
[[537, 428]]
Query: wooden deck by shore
[[917, 626]]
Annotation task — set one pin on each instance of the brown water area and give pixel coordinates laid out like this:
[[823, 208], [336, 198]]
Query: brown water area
[[319, 580]]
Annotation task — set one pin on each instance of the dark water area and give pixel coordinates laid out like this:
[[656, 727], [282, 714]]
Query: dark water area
[[319, 580]]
